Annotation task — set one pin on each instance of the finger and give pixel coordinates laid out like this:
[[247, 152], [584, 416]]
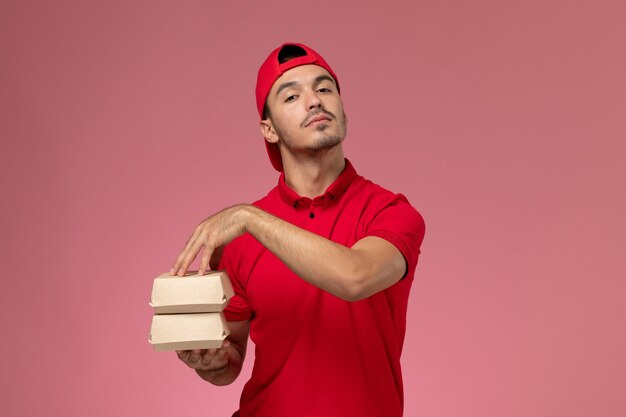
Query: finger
[[217, 360], [177, 263], [194, 356], [216, 257], [182, 254], [204, 263], [189, 257], [180, 261], [182, 354], [179, 266], [208, 355], [201, 239]]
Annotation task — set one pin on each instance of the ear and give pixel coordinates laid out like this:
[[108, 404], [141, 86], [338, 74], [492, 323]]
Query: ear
[[268, 131]]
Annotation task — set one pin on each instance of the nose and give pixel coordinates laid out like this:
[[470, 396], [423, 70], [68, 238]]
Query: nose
[[313, 101]]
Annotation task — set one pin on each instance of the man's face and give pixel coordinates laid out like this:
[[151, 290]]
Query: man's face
[[306, 111]]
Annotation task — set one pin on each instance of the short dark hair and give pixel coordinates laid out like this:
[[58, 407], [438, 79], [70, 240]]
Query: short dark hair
[[287, 53]]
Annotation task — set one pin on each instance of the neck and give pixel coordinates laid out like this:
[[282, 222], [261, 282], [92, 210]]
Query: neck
[[310, 177]]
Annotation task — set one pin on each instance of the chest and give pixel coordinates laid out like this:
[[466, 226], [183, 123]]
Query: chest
[[280, 299]]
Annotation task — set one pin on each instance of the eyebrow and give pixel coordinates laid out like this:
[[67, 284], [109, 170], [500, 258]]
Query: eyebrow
[[317, 80], [285, 85], [323, 77]]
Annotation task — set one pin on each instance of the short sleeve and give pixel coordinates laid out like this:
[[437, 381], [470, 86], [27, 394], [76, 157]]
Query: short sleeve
[[402, 226], [238, 308]]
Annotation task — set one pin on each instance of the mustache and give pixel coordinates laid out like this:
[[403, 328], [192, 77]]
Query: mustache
[[316, 113]]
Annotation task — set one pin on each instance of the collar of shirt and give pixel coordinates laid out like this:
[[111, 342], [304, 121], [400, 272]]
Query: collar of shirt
[[332, 193]]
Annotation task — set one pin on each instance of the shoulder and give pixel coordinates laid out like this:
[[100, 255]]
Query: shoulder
[[269, 201], [378, 199], [390, 216]]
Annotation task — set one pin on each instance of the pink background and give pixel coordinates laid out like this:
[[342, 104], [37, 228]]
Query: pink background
[[124, 124]]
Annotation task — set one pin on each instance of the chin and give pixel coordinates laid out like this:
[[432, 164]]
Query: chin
[[326, 143]]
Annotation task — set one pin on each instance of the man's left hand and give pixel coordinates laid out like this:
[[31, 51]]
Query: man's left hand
[[212, 234]]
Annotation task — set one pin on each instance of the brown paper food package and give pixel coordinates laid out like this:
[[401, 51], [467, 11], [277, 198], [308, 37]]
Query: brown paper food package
[[192, 293], [188, 331]]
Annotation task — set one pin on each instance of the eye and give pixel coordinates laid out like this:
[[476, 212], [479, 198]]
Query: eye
[[324, 90], [290, 98]]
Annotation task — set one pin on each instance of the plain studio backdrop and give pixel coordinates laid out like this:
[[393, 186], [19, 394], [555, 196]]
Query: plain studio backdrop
[[126, 123]]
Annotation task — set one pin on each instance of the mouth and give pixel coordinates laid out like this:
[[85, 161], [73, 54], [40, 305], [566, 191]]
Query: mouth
[[318, 119]]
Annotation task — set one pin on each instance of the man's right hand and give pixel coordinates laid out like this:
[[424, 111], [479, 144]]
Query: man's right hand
[[212, 360], [220, 366], [213, 365]]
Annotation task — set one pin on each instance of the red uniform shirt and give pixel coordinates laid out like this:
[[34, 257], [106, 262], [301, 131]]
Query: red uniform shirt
[[318, 355]]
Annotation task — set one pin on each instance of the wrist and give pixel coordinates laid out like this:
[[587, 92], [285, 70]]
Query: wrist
[[247, 214]]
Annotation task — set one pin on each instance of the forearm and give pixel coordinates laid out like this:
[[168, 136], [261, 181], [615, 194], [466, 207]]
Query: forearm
[[370, 265], [330, 266]]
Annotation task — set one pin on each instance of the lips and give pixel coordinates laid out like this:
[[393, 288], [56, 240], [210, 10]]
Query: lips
[[319, 118]]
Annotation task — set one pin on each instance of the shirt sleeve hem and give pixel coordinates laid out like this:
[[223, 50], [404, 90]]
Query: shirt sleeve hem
[[231, 316], [399, 244]]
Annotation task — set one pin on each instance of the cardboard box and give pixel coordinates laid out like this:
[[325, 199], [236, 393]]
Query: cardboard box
[[192, 293], [188, 331]]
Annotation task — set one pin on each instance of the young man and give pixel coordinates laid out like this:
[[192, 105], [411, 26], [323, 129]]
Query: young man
[[321, 266]]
